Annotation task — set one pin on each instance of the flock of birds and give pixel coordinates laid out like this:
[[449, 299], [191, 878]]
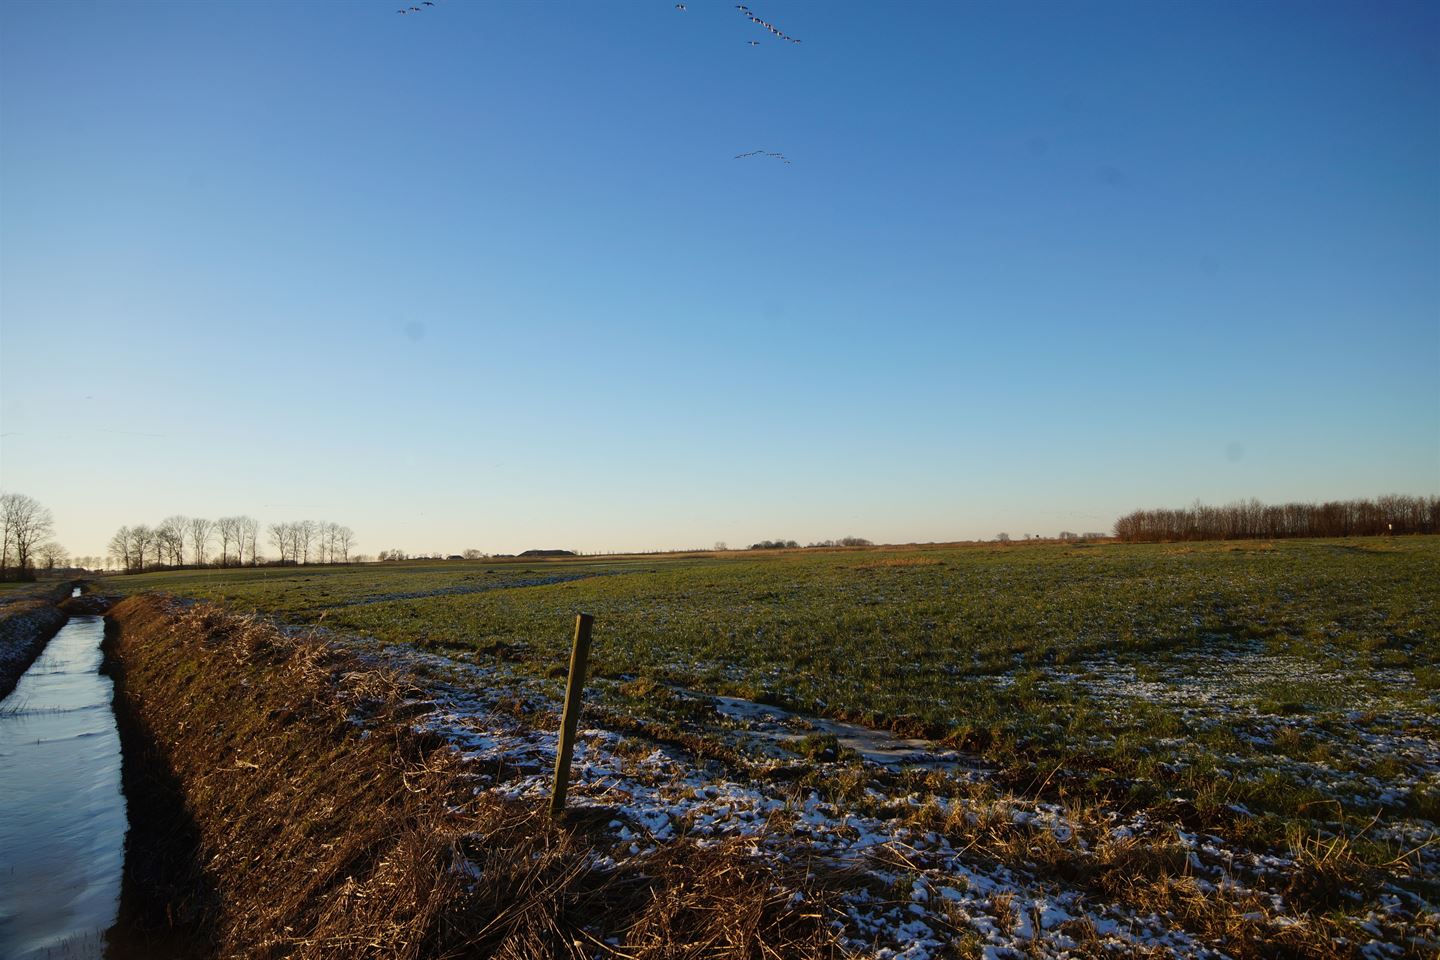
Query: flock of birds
[[762, 153], [749, 15], [755, 43], [768, 26], [744, 10]]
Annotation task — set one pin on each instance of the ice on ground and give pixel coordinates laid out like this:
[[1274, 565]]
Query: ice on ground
[[915, 889]]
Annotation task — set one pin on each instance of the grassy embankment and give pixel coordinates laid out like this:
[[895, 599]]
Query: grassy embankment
[[282, 806]]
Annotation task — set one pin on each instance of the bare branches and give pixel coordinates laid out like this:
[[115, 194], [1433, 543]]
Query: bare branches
[[200, 538], [1251, 519], [303, 541], [171, 532], [24, 525]]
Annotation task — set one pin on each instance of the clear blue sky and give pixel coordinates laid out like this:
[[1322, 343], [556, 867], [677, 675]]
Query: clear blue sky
[[489, 276]]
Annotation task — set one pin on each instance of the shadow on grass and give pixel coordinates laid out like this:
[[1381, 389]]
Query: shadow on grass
[[166, 903]]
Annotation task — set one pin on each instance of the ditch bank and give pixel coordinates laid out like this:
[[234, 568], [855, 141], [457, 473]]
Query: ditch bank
[[283, 803], [28, 622]]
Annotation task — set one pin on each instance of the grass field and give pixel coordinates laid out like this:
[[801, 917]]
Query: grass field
[[1276, 702]]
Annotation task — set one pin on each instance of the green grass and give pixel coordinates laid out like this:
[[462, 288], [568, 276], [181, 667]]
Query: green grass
[[999, 649], [1282, 697]]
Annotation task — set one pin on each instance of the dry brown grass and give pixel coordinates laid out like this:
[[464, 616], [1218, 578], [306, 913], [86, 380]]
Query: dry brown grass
[[1151, 874], [311, 821]]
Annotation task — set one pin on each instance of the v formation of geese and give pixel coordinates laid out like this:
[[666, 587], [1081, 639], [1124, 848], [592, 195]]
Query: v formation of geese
[[779, 35], [403, 11]]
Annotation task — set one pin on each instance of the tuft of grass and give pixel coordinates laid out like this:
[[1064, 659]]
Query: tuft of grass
[[818, 747]]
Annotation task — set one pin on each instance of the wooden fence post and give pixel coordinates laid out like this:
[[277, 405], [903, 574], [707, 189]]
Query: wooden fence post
[[574, 688]]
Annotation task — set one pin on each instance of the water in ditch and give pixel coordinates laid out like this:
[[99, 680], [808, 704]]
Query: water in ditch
[[62, 813]]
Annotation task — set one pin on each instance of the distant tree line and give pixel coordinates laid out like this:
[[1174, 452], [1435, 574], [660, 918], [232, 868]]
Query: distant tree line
[[791, 544], [1253, 520], [310, 541], [470, 554], [179, 541]]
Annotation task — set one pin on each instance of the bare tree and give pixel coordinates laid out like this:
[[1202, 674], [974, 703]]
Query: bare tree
[[345, 538], [472, 554], [120, 548], [282, 537], [305, 538], [229, 530], [172, 532], [141, 538], [249, 529], [200, 538], [24, 525], [5, 535], [52, 555], [327, 539]]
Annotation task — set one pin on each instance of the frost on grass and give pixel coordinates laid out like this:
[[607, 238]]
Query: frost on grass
[[1361, 743], [939, 860]]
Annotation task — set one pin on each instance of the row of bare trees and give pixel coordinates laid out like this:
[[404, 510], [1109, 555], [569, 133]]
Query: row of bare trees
[[312, 541], [1251, 519], [179, 541]]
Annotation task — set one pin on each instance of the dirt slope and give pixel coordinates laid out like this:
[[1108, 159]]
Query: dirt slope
[[282, 805]]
